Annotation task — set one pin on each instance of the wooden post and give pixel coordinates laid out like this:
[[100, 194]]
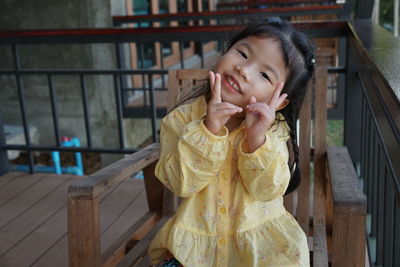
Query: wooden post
[[83, 232], [349, 210]]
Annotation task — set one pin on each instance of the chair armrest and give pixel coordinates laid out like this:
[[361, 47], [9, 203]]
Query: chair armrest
[[347, 194], [92, 186], [349, 210]]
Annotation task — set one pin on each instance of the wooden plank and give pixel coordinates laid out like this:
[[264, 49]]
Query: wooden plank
[[115, 173], [114, 253], [57, 255], [136, 210], [115, 203], [303, 209], [18, 186], [37, 242], [28, 199], [19, 228], [144, 262], [83, 232], [350, 208], [8, 177], [288, 202], [140, 249], [192, 74], [320, 255], [154, 188]]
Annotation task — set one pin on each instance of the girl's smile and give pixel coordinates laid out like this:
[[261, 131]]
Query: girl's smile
[[232, 84]]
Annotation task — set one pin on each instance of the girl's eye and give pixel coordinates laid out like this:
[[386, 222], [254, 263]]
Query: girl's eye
[[265, 76], [242, 54]]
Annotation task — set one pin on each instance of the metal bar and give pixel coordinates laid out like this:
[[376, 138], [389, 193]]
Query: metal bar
[[17, 67], [363, 141], [388, 242], [373, 183], [181, 55], [201, 54], [162, 63], [336, 70], [4, 165], [53, 110], [381, 217], [153, 110], [165, 34], [396, 224], [85, 110], [119, 111], [119, 56], [141, 64], [82, 71], [69, 149]]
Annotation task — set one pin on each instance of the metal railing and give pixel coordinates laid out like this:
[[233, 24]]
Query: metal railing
[[116, 37], [372, 135]]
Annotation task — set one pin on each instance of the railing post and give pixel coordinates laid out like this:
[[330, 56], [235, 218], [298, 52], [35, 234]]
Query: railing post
[[4, 166], [349, 211], [83, 231]]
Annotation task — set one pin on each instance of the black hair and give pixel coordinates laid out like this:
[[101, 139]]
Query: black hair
[[298, 54]]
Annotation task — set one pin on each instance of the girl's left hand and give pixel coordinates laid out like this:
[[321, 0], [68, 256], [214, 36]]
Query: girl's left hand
[[260, 116]]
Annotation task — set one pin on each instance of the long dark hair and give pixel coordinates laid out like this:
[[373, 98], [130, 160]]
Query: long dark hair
[[298, 54]]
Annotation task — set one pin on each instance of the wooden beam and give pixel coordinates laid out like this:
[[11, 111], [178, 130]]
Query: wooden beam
[[303, 210], [320, 255]]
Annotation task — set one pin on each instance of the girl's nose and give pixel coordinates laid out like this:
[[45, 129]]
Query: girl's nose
[[243, 71]]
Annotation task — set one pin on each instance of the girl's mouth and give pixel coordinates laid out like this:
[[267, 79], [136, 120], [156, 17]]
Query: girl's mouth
[[232, 84]]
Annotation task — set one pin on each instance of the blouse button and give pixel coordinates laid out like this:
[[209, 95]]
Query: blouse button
[[222, 210], [222, 241]]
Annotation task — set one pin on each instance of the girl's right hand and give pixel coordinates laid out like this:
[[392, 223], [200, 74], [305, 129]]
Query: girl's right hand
[[218, 112]]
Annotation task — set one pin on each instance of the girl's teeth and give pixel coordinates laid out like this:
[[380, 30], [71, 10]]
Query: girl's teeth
[[234, 85]]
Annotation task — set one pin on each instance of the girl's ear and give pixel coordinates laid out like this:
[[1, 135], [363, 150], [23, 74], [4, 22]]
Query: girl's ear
[[283, 104]]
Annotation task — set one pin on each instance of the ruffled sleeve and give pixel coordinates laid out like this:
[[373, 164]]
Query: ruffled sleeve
[[190, 155], [265, 172]]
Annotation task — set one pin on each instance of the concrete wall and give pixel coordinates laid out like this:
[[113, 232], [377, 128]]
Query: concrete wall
[[55, 14]]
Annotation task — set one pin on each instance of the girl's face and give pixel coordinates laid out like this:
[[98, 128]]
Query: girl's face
[[253, 66]]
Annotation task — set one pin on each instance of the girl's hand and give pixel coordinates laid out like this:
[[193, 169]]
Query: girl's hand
[[260, 116], [218, 112]]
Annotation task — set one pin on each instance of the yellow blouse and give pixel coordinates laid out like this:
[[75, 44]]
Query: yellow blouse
[[232, 211]]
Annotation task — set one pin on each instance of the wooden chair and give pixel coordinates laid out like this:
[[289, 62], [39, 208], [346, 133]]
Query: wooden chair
[[334, 222]]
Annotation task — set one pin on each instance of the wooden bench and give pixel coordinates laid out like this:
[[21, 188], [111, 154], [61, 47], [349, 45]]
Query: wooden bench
[[335, 224]]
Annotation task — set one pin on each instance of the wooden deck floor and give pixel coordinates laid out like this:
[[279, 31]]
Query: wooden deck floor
[[33, 217]]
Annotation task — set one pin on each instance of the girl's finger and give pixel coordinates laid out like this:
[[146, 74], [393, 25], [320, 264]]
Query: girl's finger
[[212, 79], [280, 100], [212, 85], [226, 112], [274, 99], [258, 108], [217, 87], [227, 105]]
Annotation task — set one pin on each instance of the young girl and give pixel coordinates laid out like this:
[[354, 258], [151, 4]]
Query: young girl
[[226, 155]]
